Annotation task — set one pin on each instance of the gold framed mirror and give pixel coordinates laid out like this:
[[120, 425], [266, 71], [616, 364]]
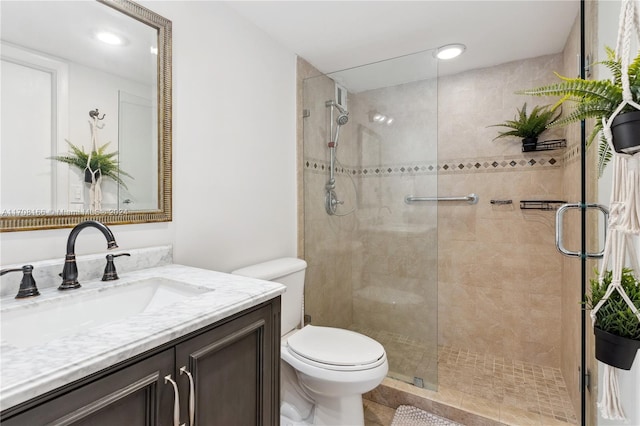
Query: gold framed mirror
[[130, 85]]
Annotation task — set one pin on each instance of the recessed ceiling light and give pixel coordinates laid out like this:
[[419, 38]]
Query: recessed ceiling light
[[110, 38], [450, 51]]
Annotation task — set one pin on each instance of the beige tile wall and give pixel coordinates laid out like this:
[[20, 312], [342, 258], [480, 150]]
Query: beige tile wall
[[395, 289], [499, 272]]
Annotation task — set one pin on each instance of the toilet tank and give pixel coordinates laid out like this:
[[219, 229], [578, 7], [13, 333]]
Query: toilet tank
[[289, 272]]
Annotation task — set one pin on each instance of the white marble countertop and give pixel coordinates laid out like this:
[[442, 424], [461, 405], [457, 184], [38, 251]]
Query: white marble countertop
[[28, 372]]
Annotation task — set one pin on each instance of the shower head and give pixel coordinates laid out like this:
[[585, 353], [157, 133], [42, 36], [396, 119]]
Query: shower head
[[341, 120]]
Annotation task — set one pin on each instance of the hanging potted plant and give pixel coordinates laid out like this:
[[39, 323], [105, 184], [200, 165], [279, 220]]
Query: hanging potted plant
[[617, 328], [599, 99], [528, 127], [101, 163]]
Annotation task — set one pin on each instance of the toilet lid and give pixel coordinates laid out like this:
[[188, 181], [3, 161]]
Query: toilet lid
[[335, 346]]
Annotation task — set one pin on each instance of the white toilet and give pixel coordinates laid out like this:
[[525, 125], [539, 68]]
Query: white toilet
[[325, 370]]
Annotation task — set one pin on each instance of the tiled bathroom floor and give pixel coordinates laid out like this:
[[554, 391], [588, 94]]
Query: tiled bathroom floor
[[496, 387]]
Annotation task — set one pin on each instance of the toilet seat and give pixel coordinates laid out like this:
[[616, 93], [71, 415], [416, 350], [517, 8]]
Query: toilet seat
[[335, 349]]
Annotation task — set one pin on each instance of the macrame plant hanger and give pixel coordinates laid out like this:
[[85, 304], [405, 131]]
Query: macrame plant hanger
[[624, 216], [95, 190]]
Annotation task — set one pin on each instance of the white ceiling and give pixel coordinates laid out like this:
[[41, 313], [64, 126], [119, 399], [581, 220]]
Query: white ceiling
[[336, 35], [66, 29], [332, 35]]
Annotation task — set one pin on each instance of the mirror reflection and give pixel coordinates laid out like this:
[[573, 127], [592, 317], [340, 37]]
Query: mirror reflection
[[80, 131]]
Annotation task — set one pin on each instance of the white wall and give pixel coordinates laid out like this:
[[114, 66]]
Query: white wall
[[234, 139], [234, 176], [608, 15], [90, 88]]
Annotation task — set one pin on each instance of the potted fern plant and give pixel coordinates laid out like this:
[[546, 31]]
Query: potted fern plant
[[101, 163], [599, 99], [617, 328], [528, 127]]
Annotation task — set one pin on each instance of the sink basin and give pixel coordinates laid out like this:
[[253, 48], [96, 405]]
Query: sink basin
[[39, 321]]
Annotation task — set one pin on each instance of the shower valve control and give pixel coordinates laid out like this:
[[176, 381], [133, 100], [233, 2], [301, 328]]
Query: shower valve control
[[331, 202]]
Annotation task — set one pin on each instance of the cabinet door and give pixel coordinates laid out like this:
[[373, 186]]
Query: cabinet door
[[133, 396], [236, 370]]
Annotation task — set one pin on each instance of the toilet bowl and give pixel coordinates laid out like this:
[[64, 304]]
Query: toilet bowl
[[324, 370], [335, 367]]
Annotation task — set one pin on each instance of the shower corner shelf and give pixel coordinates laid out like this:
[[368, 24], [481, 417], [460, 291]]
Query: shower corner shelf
[[541, 204], [550, 145]]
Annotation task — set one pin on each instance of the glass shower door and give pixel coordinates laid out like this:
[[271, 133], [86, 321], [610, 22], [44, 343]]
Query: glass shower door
[[372, 256]]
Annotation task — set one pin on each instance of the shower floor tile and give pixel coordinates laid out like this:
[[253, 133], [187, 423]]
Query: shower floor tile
[[533, 388], [508, 386]]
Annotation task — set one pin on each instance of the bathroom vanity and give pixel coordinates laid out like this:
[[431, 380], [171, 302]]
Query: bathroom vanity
[[204, 350]]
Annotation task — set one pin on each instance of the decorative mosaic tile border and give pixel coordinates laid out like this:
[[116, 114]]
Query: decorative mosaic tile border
[[503, 164], [571, 154], [476, 165]]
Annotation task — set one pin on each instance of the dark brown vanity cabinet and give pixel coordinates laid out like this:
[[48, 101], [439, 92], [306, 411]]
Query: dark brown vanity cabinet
[[134, 395], [236, 378], [234, 365]]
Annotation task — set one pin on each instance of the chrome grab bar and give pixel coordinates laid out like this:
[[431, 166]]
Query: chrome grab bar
[[471, 199]]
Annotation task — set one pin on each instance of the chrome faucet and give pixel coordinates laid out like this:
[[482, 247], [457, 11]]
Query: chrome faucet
[[70, 270]]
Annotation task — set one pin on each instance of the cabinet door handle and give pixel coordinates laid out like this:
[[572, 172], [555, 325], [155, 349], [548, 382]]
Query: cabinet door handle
[[176, 401], [192, 396]]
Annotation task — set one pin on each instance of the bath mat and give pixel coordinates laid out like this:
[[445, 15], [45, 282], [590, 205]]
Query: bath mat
[[407, 415]]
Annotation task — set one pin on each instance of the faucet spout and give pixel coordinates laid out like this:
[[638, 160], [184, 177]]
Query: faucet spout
[[70, 270]]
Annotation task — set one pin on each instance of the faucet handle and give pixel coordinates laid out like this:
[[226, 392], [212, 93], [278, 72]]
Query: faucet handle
[[28, 284], [110, 273]]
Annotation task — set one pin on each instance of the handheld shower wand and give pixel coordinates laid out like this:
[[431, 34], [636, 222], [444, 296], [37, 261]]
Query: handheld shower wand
[[341, 120]]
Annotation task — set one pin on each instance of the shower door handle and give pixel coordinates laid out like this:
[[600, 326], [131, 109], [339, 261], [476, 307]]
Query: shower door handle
[[560, 231]]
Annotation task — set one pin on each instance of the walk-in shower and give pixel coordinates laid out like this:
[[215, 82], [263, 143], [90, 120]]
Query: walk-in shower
[[463, 295]]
